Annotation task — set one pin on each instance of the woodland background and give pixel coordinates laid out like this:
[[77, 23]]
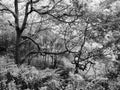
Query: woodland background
[[59, 44]]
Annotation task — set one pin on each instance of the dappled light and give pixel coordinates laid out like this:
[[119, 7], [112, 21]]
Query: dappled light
[[59, 45]]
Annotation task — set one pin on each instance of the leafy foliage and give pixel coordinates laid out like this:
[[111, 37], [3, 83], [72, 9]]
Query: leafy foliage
[[56, 45]]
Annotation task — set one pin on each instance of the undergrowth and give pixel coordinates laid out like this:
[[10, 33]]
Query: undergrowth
[[26, 77]]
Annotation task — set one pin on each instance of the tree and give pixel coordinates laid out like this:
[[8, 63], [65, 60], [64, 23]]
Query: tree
[[73, 18], [30, 7]]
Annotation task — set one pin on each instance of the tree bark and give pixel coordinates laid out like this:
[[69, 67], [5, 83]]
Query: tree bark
[[18, 33], [17, 50]]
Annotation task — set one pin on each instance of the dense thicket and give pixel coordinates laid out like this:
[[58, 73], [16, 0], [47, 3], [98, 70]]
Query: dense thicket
[[59, 45]]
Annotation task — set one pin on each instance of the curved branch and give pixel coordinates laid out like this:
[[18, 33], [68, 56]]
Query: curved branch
[[42, 53], [26, 37], [7, 9]]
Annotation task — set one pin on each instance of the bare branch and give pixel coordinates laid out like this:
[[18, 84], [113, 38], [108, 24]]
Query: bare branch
[[26, 37], [58, 18], [7, 9], [27, 12], [10, 24], [84, 39], [49, 53], [42, 53]]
